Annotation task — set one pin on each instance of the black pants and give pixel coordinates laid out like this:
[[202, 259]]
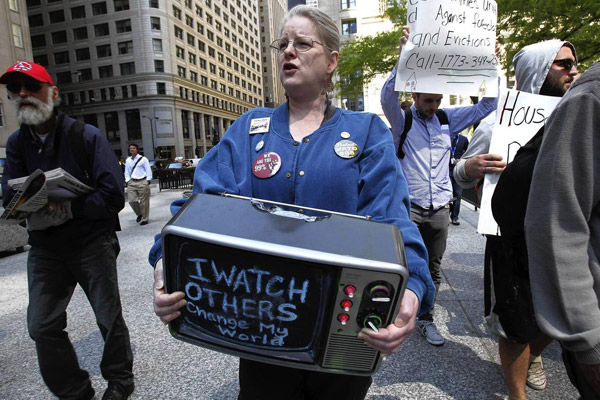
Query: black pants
[[433, 226], [52, 276], [259, 381], [577, 378]]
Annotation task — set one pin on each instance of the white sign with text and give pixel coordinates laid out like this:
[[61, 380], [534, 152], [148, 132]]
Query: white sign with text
[[451, 48], [518, 118]]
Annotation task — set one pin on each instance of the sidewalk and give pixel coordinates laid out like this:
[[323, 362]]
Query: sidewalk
[[466, 367]]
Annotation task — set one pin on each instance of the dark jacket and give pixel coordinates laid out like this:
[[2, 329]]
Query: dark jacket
[[93, 214]]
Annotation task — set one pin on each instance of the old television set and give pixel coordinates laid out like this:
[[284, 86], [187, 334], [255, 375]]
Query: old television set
[[269, 283]]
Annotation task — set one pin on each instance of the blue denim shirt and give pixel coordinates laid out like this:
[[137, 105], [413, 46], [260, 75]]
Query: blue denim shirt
[[427, 146], [313, 175]]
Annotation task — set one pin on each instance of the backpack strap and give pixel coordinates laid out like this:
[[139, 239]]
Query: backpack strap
[[442, 117], [77, 146]]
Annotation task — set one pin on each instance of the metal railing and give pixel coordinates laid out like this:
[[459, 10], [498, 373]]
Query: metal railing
[[175, 178]]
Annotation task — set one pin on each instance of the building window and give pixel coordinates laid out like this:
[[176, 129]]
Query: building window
[[99, 8], [124, 92], [82, 54], [105, 71], [348, 27], [33, 3], [191, 39], [348, 4], [14, 5], [36, 20], [41, 59], [180, 52], [123, 26], [80, 33], [198, 11], [17, 35], [177, 13], [56, 16], [59, 37], [157, 45], [161, 88], [185, 123], [189, 21], [38, 41], [155, 23], [78, 12], [111, 122], [193, 76], [202, 63], [153, 3], [178, 32], [134, 125], [181, 71], [101, 30], [192, 58], [85, 74], [63, 77], [201, 46], [159, 66], [204, 80], [121, 5], [103, 51], [128, 68], [125, 47], [133, 90]]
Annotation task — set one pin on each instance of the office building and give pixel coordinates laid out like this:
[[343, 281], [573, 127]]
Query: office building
[[169, 75]]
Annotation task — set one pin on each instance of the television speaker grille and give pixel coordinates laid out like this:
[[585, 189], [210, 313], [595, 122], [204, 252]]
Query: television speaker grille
[[349, 353]]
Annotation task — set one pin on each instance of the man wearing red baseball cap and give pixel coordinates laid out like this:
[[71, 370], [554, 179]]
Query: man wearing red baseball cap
[[73, 241]]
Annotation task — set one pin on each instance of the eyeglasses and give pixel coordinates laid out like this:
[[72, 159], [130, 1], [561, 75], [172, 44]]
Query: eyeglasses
[[566, 63], [30, 86], [301, 44]]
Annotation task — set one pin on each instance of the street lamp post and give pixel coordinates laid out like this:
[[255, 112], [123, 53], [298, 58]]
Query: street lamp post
[[152, 122]]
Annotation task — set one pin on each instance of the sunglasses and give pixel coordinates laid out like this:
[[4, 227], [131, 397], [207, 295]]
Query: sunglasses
[[30, 86], [566, 63]]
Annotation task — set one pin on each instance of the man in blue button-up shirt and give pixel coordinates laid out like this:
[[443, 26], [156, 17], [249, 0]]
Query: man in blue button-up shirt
[[426, 166]]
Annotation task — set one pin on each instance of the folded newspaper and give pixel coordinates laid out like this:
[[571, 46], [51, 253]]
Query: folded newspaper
[[34, 191]]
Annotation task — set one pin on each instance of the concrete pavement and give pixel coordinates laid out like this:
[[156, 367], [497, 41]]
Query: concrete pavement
[[466, 367]]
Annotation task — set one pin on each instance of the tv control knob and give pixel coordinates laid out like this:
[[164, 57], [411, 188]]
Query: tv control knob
[[350, 290], [373, 321], [380, 293], [343, 318]]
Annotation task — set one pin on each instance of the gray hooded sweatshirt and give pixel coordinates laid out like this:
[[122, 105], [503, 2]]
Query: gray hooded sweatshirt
[[562, 224], [532, 64]]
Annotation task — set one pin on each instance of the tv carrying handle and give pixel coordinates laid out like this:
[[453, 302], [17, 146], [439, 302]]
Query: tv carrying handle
[[261, 204]]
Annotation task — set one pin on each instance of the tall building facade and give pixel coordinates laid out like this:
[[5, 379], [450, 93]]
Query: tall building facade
[[16, 47], [168, 75], [271, 13]]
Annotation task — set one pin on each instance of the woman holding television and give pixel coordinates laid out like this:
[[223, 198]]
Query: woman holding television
[[317, 156]]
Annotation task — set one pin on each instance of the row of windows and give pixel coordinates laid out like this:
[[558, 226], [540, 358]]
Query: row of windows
[[203, 98], [81, 33], [90, 96], [85, 74], [77, 12], [182, 73], [84, 54]]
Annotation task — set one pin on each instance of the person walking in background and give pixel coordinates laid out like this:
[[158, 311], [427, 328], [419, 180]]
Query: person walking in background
[[426, 167], [546, 68], [459, 145], [138, 176], [562, 227], [75, 240]]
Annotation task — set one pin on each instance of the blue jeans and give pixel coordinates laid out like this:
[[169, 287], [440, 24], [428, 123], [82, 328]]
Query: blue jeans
[[52, 277]]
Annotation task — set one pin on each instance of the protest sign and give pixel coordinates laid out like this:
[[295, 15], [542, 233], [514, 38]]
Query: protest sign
[[451, 48], [519, 116]]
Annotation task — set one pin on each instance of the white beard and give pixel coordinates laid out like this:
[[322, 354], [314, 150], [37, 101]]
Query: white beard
[[35, 114]]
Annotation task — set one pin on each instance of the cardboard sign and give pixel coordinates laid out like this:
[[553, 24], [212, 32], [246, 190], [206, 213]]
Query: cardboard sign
[[519, 116], [451, 48]]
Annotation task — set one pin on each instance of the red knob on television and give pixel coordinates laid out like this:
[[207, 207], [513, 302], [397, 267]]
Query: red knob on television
[[343, 318], [346, 304], [350, 290]]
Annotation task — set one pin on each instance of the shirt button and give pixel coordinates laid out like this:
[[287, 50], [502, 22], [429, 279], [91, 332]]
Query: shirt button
[[288, 174], [306, 140], [301, 173], [296, 143]]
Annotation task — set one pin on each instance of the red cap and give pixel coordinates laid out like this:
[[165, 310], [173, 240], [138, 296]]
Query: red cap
[[36, 71]]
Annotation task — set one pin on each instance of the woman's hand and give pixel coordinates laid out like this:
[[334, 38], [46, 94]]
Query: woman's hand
[[166, 306], [389, 339], [476, 167]]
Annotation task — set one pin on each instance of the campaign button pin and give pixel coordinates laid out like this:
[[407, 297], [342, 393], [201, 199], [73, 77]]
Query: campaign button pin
[[345, 135], [259, 145], [346, 149], [266, 165], [259, 125]]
